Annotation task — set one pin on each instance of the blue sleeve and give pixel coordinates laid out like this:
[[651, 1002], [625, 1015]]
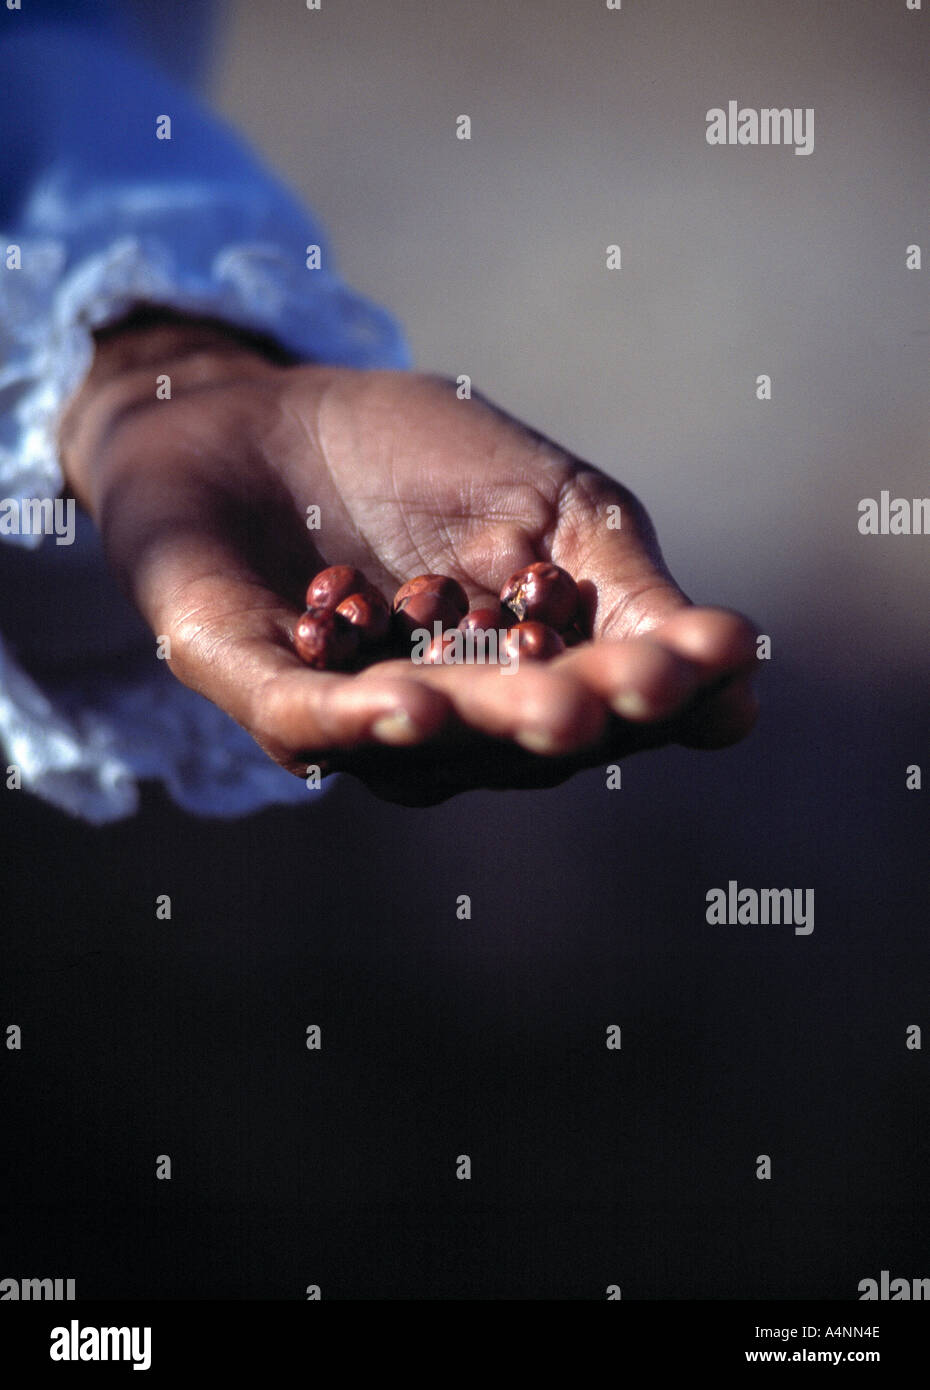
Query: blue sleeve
[[99, 211], [177, 36]]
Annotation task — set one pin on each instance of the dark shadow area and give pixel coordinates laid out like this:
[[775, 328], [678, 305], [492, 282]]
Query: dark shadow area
[[484, 1037]]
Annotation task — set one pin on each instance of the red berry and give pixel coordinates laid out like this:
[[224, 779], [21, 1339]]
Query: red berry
[[368, 613], [486, 620], [324, 640], [542, 593], [533, 642], [423, 609], [329, 587], [439, 584]]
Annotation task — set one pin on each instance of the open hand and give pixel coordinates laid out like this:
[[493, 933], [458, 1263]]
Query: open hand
[[202, 502]]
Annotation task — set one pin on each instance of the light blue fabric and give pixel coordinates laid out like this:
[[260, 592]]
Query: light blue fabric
[[104, 215]]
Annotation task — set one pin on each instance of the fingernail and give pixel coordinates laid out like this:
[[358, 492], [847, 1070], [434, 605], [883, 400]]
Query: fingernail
[[629, 704], [537, 741], [396, 727]]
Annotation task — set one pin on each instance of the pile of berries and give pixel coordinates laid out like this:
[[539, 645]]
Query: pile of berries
[[348, 623]]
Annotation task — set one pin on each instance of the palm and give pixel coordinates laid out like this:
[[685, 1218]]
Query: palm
[[204, 506], [428, 482]]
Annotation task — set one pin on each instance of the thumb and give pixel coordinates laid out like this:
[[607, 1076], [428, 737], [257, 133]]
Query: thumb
[[607, 541]]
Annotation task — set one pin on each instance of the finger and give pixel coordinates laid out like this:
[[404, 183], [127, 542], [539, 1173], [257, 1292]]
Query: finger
[[606, 541], [545, 710], [305, 710], [718, 640], [642, 680], [653, 678]]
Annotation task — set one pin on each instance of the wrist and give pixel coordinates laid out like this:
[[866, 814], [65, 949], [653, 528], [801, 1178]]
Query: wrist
[[150, 335], [129, 357]]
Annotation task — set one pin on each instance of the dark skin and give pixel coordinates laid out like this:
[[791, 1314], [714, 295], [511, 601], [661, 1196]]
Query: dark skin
[[202, 504]]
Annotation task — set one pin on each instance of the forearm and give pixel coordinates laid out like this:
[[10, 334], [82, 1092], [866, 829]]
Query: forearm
[[99, 217]]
